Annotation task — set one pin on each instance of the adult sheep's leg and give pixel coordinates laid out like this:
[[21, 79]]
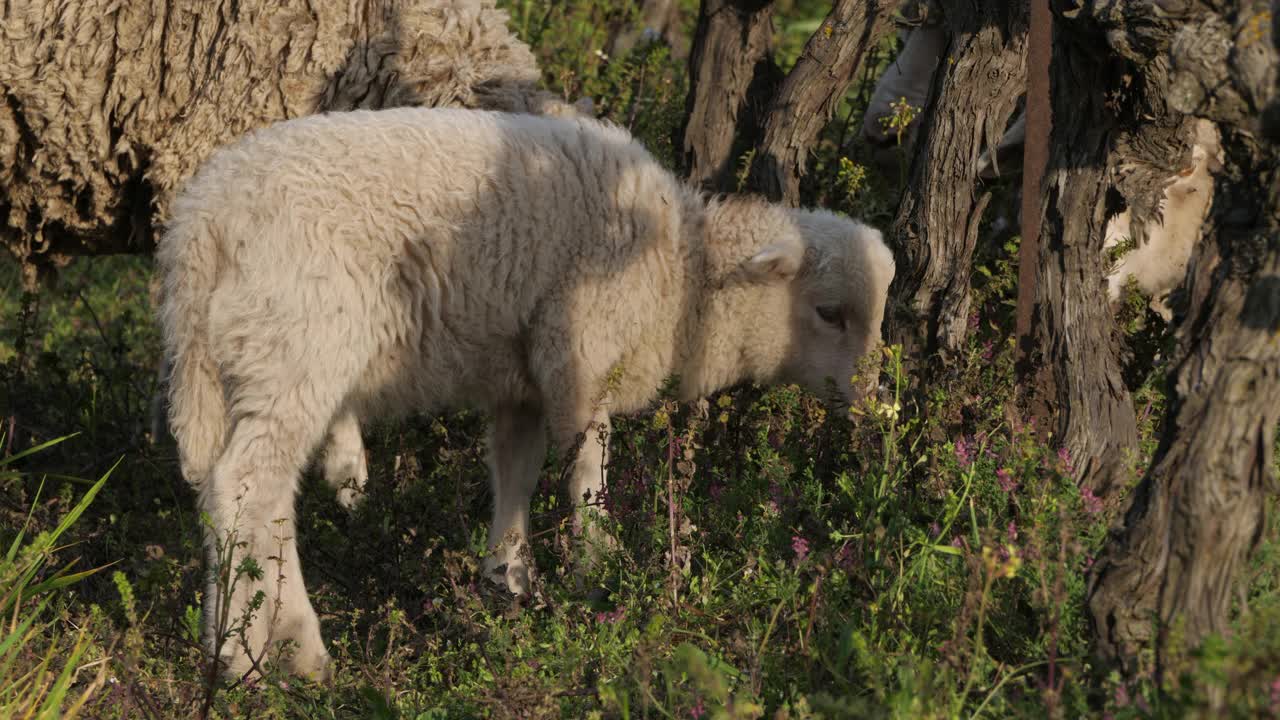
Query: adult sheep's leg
[[517, 446], [572, 380], [345, 467]]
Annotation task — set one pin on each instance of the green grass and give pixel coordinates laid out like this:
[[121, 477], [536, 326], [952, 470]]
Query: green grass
[[39, 658], [886, 563], [865, 566]]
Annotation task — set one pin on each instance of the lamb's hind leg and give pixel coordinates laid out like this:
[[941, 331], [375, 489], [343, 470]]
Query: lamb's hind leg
[[517, 446], [346, 468], [250, 502]]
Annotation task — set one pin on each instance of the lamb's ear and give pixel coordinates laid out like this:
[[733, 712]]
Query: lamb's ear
[[777, 262]]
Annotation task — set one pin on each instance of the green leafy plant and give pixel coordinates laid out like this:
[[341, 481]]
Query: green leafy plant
[[39, 665]]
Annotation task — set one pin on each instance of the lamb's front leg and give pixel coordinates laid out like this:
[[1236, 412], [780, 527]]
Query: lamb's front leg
[[517, 447]]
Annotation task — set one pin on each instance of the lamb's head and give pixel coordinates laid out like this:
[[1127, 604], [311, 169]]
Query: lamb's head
[[839, 296], [827, 280]]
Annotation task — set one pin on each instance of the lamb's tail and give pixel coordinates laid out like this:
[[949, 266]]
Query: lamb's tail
[[188, 260]]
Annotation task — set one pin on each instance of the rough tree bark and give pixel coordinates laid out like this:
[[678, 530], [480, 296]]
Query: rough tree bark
[[108, 106], [937, 222], [1169, 570], [1077, 376], [810, 93], [731, 73], [1112, 130]]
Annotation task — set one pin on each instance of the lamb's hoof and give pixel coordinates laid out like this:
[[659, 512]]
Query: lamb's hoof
[[349, 497], [315, 666], [348, 477], [513, 574]]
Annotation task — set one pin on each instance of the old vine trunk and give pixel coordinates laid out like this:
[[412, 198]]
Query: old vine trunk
[[937, 222], [1076, 373], [731, 75], [1168, 574], [808, 96]]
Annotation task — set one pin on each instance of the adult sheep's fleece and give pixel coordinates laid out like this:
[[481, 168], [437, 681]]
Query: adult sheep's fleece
[[546, 270], [108, 106]]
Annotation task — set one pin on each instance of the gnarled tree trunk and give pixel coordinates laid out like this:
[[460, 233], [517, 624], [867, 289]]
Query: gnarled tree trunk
[[937, 223], [810, 93], [731, 75], [1198, 513], [108, 106], [1112, 128]]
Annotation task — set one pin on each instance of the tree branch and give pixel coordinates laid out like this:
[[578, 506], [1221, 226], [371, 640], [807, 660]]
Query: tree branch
[[939, 215], [810, 93], [729, 69]]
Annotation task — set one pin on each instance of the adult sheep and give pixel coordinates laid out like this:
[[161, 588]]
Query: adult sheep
[[547, 270], [107, 107]]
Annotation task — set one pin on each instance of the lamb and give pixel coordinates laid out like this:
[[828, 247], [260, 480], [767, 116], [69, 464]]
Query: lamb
[[547, 270]]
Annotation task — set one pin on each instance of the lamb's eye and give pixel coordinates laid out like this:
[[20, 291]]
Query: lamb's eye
[[831, 315]]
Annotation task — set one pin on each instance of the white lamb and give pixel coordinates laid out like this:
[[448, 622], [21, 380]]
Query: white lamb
[[549, 271]]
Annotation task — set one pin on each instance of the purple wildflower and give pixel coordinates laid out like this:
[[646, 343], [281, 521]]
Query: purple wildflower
[[1013, 531], [1065, 456], [697, 710], [612, 616], [800, 546], [1005, 478], [935, 529], [964, 453], [1092, 503], [988, 349], [1122, 695], [610, 500]]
